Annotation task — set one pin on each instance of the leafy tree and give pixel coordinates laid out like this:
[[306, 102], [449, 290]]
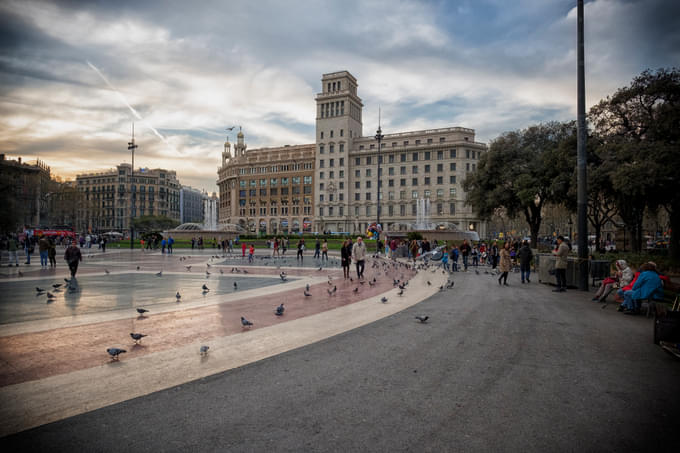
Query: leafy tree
[[522, 171], [640, 126], [153, 223]]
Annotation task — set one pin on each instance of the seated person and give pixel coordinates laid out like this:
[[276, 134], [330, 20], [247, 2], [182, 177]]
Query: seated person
[[622, 277], [648, 284]]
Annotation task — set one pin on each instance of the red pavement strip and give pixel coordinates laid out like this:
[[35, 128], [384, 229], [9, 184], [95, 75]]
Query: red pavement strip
[[38, 355]]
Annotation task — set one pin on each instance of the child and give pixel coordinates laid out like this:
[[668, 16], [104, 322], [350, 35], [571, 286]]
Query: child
[[251, 252], [445, 259], [454, 258]]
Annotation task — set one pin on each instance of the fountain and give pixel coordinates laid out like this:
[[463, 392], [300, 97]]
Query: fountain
[[446, 231]]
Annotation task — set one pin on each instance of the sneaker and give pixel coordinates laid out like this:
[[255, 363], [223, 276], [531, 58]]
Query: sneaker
[[522, 281], [505, 284], [528, 281], [557, 290], [595, 299], [621, 308]]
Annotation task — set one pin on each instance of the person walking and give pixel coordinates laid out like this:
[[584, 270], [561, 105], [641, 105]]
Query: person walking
[[251, 253], [171, 241], [493, 254], [163, 243], [561, 252], [359, 256], [12, 247], [454, 258], [27, 248], [317, 249], [73, 257], [243, 249], [525, 257], [445, 259], [52, 254], [465, 251], [300, 249], [276, 248], [345, 257], [324, 250], [505, 264], [103, 244], [43, 247]]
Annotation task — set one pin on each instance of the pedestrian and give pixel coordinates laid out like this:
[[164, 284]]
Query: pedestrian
[[455, 253], [276, 248], [193, 243], [243, 249], [163, 243], [251, 253], [317, 249], [171, 241], [475, 256], [505, 264], [52, 254], [345, 257], [103, 244], [493, 254], [465, 251], [324, 250], [561, 252], [12, 247], [445, 259], [73, 257], [284, 246], [525, 257], [359, 256], [28, 248], [300, 249], [43, 247]]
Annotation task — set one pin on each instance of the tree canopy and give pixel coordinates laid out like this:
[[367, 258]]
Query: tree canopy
[[153, 223]]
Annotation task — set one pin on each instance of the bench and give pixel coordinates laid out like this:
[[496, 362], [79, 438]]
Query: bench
[[667, 314], [599, 269], [671, 292]]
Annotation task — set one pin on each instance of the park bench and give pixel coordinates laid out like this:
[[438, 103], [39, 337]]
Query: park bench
[[666, 314]]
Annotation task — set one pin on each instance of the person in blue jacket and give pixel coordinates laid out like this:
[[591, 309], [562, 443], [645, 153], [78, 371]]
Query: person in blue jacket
[[648, 285]]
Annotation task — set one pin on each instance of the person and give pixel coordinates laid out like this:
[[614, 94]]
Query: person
[[12, 247], [317, 249], [73, 257], [43, 247], [243, 249], [28, 249], [621, 278], [284, 246], [465, 251], [171, 241], [345, 256], [163, 243], [52, 253], [275, 252], [561, 252], [300, 249], [251, 253], [414, 249], [103, 244], [475, 256], [359, 256], [324, 250], [525, 257], [648, 285], [505, 264], [454, 258], [493, 254], [445, 259]]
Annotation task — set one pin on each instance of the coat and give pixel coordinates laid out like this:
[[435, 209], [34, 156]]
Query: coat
[[647, 285], [504, 265], [359, 252], [525, 255], [561, 256]]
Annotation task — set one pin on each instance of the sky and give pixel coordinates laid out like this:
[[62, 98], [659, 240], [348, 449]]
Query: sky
[[75, 75]]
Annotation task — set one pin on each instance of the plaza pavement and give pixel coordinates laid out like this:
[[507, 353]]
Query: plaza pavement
[[516, 368]]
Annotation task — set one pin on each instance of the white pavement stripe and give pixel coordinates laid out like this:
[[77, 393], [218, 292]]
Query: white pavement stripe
[[35, 403]]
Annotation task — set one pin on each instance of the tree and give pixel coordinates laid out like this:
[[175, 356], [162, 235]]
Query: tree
[[522, 171], [150, 223], [640, 125]]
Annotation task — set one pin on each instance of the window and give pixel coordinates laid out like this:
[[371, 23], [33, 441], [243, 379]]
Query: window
[[331, 174], [440, 168], [342, 132], [414, 194], [427, 168], [390, 158], [452, 153], [390, 195], [452, 179], [390, 183], [414, 170], [321, 175], [390, 171], [253, 183], [368, 195], [368, 211], [357, 161], [284, 182], [331, 148], [361, 147], [342, 147], [402, 157], [342, 161], [390, 210], [417, 142], [402, 170], [414, 181], [242, 183], [427, 180], [341, 185], [321, 147], [331, 133], [440, 180], [307, 179], [415, 156], [452, 208], [357, 185], [402, 182], [467, 153], [368, 160], [467, 166], [368, 172], [252, 192], [440, 193], [402, 194], [452, 166], [342, 174], [357, 196], [394, 144], [402, 210], [321, 210], [452, 192], [263, 192], [368, 184], [405, 142], [321, 186], [427, 153], [428, 193], [331, 162], [372, 146]]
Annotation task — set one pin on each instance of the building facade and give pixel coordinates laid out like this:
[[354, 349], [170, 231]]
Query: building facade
[[110, 199], [267, 190], [417, 175], [190, 205], [25, 195]]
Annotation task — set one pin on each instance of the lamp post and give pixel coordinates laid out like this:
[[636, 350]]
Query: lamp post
[[131, 147], [378, 136], [570, 223]]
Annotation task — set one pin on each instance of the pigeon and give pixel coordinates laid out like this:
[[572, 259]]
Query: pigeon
[[137, 267], [159, 274], [56, 285], [178, 296], [208, 264], [279, 310], [383, 300], [283, 277], [107, 271], [476, 272], [204, 350], [332, 291], [207, 273], [39, 289], [374, 280], [371, 283], [307, 293], [245, 322], [221, 271], [422, 319], [361, 282], [137, 337], [307, 287], [188, 268], [319, 269], [235, 285], [401, 292], [351, 279], [141, 311], [355, 290], [428, 283], [450, 285], [245, 271], [67, 280], [21, 274], [205, 287], [51, 296], [115, 352]]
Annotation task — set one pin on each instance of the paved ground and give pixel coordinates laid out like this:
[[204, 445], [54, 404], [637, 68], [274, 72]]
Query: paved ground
[[514, 368]]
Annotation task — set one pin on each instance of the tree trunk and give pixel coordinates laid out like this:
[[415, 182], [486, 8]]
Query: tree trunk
[[533, 218]]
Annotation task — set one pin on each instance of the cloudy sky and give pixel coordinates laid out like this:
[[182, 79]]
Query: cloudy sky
[[69, 70]]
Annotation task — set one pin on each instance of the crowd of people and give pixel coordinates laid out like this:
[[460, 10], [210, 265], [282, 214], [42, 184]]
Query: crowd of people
[[26, 246]]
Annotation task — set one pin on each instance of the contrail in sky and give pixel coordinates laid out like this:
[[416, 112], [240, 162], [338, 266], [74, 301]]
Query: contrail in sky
[[122, 98]]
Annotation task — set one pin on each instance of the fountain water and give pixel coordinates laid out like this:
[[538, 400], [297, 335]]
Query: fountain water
[[423, 214]]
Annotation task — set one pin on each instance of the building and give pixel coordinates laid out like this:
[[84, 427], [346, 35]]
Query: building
[[110, 199], [419, 174], [268, 190], [25, 191], [190, 205]]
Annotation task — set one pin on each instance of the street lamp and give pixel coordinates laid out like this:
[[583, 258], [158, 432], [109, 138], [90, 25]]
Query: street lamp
[[378, 136], [570, 223], [131, 147]]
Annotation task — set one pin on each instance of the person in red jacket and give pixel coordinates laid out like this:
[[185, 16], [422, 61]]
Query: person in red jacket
[[243, 250]]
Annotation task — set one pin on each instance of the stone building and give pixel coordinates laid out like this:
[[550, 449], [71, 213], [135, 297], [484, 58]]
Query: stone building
[[25, 191], [111, 198], [191, 206], [267, 190]]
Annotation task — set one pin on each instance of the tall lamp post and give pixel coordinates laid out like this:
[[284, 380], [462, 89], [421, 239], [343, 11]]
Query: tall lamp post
[[582, 189], [131, 147], [378, 136]]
